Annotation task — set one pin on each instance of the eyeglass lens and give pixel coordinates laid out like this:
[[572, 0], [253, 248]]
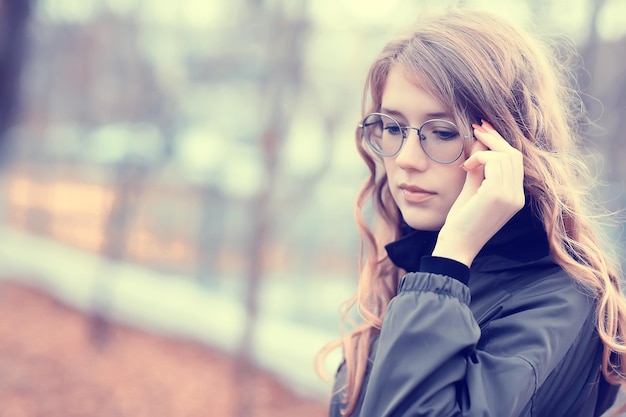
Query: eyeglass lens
[[440, 139]]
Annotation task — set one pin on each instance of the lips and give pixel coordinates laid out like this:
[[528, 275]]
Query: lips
[[415, 194]]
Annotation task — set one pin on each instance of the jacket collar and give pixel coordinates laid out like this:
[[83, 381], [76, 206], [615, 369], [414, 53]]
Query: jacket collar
[[521, 240]]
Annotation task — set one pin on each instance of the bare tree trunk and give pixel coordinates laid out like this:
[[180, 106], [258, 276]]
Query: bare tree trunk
[[14, 16], [286, 43], [129, 179], [210, 235], [245, 375], [589, 53]]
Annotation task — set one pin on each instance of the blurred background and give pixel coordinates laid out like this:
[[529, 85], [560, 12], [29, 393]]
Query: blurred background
[[176, 230]]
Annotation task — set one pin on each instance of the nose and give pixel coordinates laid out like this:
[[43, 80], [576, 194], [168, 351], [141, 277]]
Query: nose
[[411, 155]]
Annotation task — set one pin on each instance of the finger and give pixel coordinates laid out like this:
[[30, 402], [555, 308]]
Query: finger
[[482, 158], [487, 135], [498, 167], [473, 181], [478, 146], [496, 142]]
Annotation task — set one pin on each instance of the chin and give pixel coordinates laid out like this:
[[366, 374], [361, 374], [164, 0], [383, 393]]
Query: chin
[[422, 223], [427, 217]]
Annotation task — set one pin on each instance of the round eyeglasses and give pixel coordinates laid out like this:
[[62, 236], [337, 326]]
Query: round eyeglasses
[[440, 139]]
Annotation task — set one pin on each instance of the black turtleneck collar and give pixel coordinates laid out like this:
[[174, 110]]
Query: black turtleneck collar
[[521, 239]]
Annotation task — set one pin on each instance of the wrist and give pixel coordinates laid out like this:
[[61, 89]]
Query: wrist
[[454, 249]]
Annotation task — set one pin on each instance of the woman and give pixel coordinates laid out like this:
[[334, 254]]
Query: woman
[[484, 290]]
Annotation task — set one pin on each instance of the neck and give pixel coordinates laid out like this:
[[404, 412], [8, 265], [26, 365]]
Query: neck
[[521, 239]]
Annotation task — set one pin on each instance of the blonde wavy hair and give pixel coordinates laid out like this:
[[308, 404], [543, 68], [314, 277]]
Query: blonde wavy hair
[[482, 67]]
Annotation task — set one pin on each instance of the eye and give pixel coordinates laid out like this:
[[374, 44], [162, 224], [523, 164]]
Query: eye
[[393, 129], [444, 134]]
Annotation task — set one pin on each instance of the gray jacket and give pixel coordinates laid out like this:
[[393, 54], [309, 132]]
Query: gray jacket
[[513, 336]]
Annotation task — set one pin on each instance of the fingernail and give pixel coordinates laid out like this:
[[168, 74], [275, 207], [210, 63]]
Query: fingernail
[[486, 123], [479, 128]]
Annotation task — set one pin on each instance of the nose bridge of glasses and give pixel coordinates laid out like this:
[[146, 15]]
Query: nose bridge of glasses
[[407, 131], [406, 139]]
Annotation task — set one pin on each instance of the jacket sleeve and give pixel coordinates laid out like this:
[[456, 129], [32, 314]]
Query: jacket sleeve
[[432, 359]]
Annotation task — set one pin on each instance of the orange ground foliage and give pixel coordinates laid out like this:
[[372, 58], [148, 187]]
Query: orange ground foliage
[[51, 365]]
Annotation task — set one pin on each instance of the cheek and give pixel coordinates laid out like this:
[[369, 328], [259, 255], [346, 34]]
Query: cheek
[[388, 168], [454, 180], [388, 164]]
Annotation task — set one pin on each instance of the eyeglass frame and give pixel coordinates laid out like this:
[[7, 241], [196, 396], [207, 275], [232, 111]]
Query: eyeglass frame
[[405, 135]]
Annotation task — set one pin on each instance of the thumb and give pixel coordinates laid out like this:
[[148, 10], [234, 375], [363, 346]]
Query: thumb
[[473, 181]]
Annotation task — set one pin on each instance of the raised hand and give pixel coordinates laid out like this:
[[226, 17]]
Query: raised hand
[[493, 192]]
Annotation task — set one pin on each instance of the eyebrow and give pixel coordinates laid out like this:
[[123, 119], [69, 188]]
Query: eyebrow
[[434, 115]]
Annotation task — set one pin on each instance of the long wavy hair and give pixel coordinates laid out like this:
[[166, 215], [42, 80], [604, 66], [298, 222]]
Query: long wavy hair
[[482, 67]]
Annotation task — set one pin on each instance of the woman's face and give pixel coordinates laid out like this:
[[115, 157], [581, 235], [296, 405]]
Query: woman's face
[[423, 189]]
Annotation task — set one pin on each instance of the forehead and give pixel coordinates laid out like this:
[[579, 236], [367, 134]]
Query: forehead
[[409, 97]]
